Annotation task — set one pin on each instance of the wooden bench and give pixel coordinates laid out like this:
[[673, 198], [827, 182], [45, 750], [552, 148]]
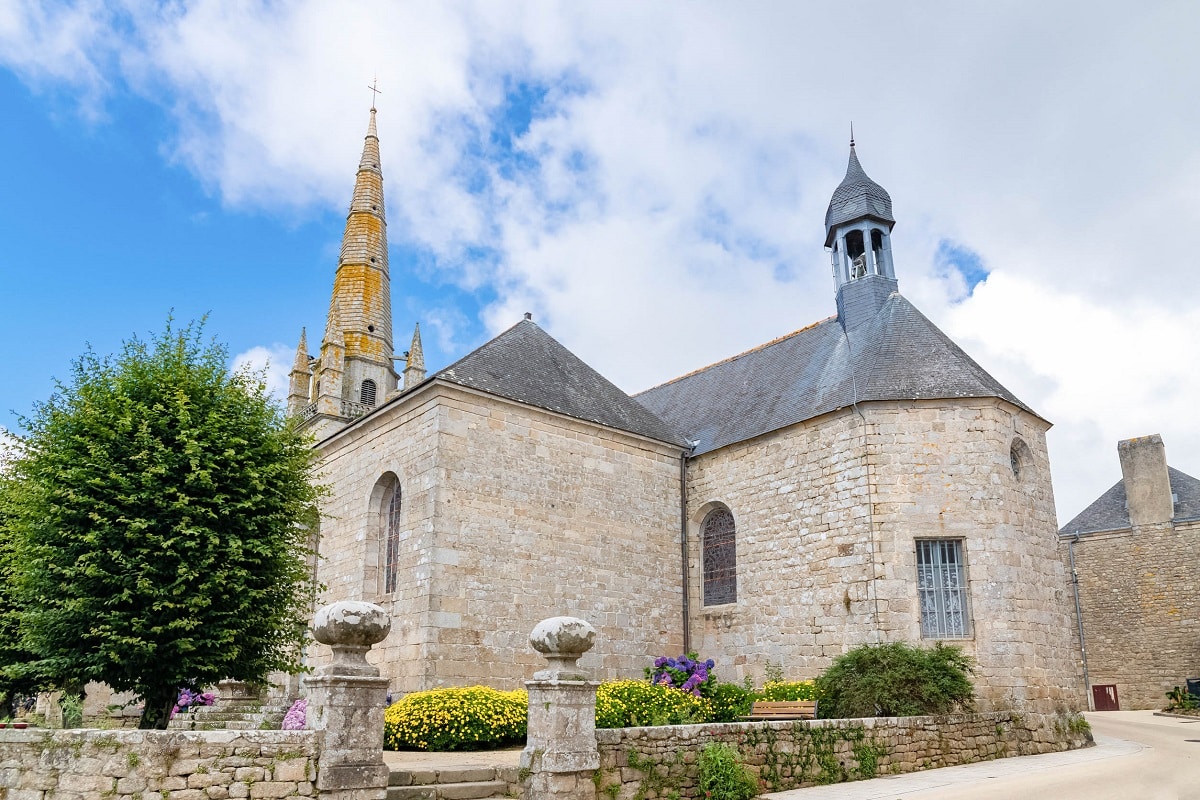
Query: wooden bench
[[783, 709]]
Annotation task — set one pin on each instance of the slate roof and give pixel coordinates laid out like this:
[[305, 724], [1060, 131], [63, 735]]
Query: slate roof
[[899, 355], [528, 365], [1109, 513], [855, 197]]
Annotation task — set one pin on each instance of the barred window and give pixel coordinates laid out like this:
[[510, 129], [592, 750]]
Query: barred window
[[719, 540], [366, 395], [942, 588], [391, 562]]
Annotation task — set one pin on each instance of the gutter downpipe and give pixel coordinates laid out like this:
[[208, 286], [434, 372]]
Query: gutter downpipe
[[683, 549], [1087, 683]]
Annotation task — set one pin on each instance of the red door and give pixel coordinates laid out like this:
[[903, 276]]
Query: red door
[[1104, 697]]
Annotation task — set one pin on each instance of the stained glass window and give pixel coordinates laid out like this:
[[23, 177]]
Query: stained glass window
[[719, 539]]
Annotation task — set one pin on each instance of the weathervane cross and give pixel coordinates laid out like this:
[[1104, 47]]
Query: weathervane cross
[[375, 91]]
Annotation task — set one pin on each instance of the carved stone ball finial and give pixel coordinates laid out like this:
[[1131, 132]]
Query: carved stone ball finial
[[562, 640], [350, 627]]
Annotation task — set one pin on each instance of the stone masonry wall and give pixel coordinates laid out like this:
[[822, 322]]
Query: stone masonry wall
[[540, 516], [828, 513], [510, 515], [400, 439], [134, 764], [662, 762], [1140, 595]]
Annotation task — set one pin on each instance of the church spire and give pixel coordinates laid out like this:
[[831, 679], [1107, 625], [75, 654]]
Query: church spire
[[858, 231], [355, 369], [414, 368]]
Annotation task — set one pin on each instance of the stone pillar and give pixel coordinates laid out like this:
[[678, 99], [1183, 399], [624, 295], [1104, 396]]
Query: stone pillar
[[346, 701], [560, 752]]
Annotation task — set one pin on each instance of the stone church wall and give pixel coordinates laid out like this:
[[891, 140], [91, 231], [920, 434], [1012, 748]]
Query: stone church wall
[[1140, 594], [549, 516], [510, 515], [400, 439], [828, 513]]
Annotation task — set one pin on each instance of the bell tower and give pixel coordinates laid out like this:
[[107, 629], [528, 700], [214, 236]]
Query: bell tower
[[858, 232]]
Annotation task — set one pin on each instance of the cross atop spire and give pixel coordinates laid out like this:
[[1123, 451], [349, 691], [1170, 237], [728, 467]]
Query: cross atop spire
[[376, 91]]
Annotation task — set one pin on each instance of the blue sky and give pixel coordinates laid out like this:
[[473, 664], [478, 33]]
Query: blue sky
[[105, 236], [649, 180]]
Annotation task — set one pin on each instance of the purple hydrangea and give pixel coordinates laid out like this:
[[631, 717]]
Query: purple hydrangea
[[189, 699], [293, 720], [687, 672]]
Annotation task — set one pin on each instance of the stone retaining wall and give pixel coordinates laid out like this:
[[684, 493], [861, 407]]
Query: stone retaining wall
[[659, 762], [136, 764]]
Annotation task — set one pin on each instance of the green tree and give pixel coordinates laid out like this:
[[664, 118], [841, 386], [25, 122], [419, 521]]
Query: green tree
[[18, 675], [158, 522], [896, 680]]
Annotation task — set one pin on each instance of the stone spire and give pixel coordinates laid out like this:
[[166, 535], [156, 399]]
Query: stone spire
[[414, 368], [362, 283], [356, 352], [300, 379]]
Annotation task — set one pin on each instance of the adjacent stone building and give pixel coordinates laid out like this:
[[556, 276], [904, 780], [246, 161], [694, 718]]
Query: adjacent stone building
[[858, 480], [1135, 553]]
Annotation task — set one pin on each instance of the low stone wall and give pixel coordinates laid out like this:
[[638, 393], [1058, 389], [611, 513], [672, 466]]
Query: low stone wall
[[127, 764], [661, 762]]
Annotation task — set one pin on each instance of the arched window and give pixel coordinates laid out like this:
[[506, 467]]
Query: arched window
[[391, 540], [366, 395], [719, 540]]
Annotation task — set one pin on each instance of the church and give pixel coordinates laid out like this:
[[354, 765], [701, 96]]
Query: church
[[858, 480]]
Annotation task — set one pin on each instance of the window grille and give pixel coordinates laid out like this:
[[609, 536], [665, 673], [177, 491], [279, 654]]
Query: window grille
[[942, 588], [391, 562], [366, 394], [719, 539]]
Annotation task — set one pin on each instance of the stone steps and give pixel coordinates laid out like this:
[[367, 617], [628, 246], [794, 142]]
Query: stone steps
[[242, 716], [451, 783]]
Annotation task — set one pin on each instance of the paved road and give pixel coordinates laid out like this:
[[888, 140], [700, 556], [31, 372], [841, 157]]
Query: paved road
[[1137, 756]]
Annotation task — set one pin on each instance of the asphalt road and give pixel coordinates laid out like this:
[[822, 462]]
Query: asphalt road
[[1138, 756]]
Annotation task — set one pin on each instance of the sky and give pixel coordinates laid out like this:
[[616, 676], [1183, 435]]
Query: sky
[[649, 180]]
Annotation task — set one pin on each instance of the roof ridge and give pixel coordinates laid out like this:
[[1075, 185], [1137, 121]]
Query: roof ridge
[[736, 356]]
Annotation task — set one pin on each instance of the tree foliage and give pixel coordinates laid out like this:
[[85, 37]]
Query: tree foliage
[[160, 519], [896, 680], [18, 666]]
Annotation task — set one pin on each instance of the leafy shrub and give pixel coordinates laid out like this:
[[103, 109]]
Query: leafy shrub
[[472, 718], [727, 702], [687, 673], [779, 690], [723, 776], [1180, 700], [896, 680], [629, 704]]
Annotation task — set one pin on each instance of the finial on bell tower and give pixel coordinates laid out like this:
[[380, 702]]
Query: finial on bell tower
[[852, 134]]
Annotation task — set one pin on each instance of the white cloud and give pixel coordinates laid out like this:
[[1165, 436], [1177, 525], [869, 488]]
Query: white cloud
[[272, 364], [669, 209], [1099, 373]]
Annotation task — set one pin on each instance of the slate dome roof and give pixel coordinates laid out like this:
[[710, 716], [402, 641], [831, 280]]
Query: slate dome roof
[[855, 197]]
